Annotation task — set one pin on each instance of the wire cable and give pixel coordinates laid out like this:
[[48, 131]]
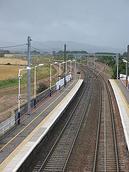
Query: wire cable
[[37, 49], [13, 46]]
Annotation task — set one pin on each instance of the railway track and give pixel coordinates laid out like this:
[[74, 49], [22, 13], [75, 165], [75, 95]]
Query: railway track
[[101, 147], [82, 156], [58, 156], [106, 152], [100, 133]]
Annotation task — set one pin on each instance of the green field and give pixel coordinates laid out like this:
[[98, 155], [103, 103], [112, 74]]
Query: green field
[[9, 73], [42, 72]]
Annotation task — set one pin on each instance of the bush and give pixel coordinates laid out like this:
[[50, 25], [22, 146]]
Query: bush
[[8, 63], [41, 87], [112, 63]]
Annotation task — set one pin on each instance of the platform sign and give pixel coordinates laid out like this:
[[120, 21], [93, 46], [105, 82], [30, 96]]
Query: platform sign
[[123, 79], [68, 78], [60, 83]]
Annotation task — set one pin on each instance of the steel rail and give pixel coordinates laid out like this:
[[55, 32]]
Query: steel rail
[[39, 168], [113, 129]]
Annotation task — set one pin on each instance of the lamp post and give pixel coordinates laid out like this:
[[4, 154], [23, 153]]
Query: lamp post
[[64, 62], [66, 68], [50, 75], [125, 61], [94, 60], [69, 71], [35, 82], [19, 93], [87, 59], [64, 65], [75, 70], [59, 71], [71, 67], [50, 79], [67, 65], [117, 65], [29, 74], [59, 76]]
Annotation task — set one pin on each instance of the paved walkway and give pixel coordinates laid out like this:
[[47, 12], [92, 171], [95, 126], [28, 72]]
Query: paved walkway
[[28, 122], [124, 90], [121, 94], [17, 158]]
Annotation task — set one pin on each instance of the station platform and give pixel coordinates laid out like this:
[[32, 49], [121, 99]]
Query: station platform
[[122, 97], [26, 141]]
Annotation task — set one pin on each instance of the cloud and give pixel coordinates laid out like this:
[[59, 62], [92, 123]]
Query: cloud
[[97, 22]]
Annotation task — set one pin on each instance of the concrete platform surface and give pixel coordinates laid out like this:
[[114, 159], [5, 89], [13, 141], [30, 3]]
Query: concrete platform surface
[[124, 90], [22, 151], [28, 122], [123, 106]]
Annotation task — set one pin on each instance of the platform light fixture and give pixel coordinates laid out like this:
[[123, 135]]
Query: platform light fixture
[[125, 61], [19, 92], [35, 82]]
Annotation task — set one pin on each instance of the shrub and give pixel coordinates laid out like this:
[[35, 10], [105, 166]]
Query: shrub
[[41, 87]]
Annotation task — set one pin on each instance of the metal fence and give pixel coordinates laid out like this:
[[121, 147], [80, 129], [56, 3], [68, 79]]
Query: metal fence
[[12, 121]]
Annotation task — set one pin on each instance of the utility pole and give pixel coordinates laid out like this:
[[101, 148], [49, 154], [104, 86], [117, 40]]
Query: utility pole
[[64, 64], [117, 65], [29, 73]]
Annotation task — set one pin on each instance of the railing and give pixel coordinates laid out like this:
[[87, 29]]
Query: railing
[[12, 121]]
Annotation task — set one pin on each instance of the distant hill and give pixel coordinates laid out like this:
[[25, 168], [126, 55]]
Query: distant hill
[[72, 46], [50, 46], [106, 53]]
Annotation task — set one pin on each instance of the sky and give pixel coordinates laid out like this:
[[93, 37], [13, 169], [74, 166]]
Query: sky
[[103, 23]]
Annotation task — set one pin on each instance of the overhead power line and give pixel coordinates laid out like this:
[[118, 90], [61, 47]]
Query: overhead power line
[[13, 46], [36, 48]]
